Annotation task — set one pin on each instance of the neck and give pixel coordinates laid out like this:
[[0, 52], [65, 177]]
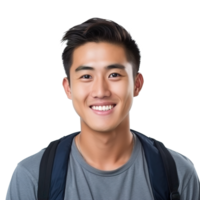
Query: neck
[[117, 156]]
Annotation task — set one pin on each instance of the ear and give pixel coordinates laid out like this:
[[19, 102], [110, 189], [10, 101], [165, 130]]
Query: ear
[[67, 88], [139, 81]]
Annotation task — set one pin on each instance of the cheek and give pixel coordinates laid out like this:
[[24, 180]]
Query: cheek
[[73, 108], [132, 104], [129, 102], [78, 98]]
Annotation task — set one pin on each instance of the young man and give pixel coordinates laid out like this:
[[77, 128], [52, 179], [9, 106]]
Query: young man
[[107, 161], [106, 141]]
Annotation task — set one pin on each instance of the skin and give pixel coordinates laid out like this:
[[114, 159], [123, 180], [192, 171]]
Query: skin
[[105, 142]]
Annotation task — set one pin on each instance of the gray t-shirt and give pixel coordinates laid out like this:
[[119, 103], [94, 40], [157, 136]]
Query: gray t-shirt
[[84, 182]]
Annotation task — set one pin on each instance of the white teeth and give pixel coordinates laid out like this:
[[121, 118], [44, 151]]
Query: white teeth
[[103, 108]]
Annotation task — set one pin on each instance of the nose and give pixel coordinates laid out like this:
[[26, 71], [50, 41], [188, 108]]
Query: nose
[[100, 88]]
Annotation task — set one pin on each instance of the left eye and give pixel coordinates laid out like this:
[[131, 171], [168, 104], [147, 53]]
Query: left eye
[[116, 73], [89, 75]]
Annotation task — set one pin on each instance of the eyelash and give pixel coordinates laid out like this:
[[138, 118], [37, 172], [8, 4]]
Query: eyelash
[[89, 75]]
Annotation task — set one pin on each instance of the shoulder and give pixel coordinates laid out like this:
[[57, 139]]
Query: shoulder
[[183, 164], [185, 169], [31, 164], [24, 181], [33, 159]]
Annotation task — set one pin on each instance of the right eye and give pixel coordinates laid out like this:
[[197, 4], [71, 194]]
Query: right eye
[[85, 75]]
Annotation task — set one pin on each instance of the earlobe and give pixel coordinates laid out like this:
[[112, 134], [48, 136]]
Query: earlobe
[[65, 87], [143, 82], [138, 84]]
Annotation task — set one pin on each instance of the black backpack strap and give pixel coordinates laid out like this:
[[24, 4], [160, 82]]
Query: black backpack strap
[[170, 169], [46, 166]]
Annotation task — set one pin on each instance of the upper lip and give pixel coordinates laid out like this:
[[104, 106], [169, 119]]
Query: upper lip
[[102, 104]]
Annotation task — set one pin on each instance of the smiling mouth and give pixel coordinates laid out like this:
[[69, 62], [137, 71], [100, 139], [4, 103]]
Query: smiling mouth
[[113, 105]]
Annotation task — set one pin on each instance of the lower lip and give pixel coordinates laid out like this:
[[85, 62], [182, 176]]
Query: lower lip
[[98, 112]]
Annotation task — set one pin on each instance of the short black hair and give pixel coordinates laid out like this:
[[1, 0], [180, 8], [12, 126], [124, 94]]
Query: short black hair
[[99, 30]]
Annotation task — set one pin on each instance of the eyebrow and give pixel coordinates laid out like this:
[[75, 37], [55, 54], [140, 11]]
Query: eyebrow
[[113, 66]]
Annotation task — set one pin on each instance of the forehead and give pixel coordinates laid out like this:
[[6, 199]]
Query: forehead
[[100, 53]]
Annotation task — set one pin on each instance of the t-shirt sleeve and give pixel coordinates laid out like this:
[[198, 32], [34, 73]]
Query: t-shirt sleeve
[[22, 186], [192, 188]]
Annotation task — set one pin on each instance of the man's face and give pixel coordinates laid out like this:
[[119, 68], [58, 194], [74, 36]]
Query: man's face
[[93, 87]]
